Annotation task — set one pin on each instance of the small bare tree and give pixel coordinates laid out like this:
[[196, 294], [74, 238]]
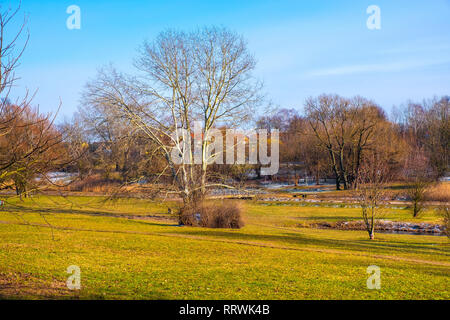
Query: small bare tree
[[417, 188], [371, 192], [419, 179]]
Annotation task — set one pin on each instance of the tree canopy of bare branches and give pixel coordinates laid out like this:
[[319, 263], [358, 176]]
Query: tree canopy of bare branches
[[10, 53], [371, 191], [345, 129], [203, 76], [30, 149]]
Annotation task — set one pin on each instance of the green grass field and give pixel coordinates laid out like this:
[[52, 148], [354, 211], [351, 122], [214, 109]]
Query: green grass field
[[132, 249]]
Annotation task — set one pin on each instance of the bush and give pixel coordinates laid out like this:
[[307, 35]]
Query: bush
[[226, 215]]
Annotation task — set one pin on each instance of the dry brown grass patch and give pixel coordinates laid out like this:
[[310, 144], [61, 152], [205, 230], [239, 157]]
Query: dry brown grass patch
[[439, 192]]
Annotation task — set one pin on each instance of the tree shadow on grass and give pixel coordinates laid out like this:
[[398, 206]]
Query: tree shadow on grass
[[90, 212], [298, 239], [19, 286]]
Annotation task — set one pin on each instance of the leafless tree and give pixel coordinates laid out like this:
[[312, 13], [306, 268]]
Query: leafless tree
[[344, 128], [31, 148], [426, 126], [419, 179], [371, 191], [28, 139], [11, 51], [203, 76]]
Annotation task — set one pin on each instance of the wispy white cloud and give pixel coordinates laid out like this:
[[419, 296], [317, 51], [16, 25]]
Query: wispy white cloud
[[423, 46], [378, 67]]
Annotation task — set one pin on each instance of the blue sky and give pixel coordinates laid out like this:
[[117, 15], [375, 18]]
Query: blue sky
[[303, 48]]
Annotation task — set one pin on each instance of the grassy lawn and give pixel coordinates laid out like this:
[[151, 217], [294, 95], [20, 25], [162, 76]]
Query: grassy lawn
[[132, 249]]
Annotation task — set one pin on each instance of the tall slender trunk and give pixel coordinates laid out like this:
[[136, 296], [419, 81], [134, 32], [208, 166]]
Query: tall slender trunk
[[204, 165], [334, 168], [343, 172], [317, 174], [357, 166], [372, 224]]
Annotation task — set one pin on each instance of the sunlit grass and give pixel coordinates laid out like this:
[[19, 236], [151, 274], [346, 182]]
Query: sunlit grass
[[270, 258]]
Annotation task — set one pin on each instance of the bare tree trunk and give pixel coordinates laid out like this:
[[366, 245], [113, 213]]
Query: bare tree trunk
[[258, 171], [318, 175], [334, 167], [343, 172]]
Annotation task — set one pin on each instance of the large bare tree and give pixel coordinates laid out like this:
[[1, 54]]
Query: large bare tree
[[28, 139], [203, 76], [12, 45], [10, 49], [32, 147], [345, 129]]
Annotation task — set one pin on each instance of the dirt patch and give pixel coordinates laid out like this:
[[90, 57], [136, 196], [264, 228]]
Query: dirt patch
[[27, 286]]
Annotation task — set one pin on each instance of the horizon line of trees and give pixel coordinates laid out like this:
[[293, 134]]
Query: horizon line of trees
[[336, 134], [331, 140], [128, 124]]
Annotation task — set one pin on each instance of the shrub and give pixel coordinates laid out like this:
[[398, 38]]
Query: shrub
[[215, 214]]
